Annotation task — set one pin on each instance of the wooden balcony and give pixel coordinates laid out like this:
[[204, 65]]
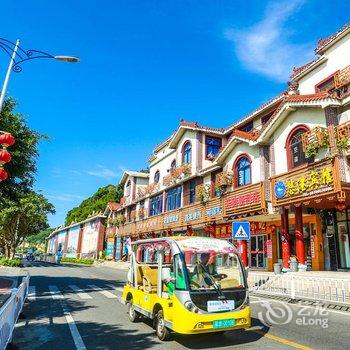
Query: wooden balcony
[[316, 138], [224, 179], [244, 200], [177, 174], [342, 77]]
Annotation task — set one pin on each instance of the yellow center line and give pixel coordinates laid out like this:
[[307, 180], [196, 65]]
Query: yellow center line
[[281, 340]]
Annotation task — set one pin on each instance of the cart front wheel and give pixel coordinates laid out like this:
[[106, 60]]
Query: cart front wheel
[[163, 333]]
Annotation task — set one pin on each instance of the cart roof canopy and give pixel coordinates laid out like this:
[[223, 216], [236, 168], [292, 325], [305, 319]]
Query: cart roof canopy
[[195, 244]]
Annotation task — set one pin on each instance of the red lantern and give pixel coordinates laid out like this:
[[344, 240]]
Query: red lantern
[[3, 174], [5, 156], [7, 140]]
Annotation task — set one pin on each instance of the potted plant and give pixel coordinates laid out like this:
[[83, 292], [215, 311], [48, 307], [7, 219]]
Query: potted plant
[[219, 190], [203, 193]]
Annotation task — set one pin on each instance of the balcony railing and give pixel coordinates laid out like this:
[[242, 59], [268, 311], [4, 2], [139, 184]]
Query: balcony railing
[[342, 77], [335, 139], [224, 179], [315, 139], [177, 174]]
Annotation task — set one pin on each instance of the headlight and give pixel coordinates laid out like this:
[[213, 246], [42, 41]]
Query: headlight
[[190, 306]]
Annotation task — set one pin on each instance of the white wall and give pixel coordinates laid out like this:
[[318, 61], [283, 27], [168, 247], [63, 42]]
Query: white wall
[[311, 117], [344, 116], [253, 152], [337, 58]]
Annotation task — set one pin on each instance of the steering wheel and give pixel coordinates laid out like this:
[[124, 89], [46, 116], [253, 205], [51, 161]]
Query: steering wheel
[[146, 284]]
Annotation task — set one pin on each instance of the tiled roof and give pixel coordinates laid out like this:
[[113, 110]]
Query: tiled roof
[[308, 98], [253, 135], [195, 125], [325, 41], [256, 111], [304, 67]]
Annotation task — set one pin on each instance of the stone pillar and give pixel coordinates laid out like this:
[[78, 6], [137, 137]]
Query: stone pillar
[[299, 235], [285, 238], [331, 115]]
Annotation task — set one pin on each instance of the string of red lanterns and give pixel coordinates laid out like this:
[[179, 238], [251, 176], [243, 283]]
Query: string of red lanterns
[[6, 140]]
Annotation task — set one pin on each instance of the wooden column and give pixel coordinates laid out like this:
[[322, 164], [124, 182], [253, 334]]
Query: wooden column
[[299, 235]]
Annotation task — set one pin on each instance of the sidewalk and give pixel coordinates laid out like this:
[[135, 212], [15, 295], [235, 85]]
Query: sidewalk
[[119, 265]]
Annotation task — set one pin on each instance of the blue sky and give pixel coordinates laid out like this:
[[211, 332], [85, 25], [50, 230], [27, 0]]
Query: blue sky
[[144, 66]]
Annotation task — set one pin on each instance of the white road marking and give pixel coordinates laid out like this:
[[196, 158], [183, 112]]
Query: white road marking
[[106, 293], [31, 293], [80, 293], [55, 292], [118, 289], [78, 341]]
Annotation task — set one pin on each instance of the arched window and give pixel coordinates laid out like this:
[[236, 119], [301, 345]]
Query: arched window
[[156, 176], [294, 147], [242, 171], [187, 153]]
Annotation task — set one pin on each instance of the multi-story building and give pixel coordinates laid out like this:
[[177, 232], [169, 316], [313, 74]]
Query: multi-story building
[[84, 239], [284, 167]]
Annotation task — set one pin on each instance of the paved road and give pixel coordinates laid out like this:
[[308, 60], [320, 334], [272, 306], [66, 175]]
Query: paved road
[[78, 307]]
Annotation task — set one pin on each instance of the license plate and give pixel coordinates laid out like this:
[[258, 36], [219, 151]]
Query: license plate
[[224, 323]]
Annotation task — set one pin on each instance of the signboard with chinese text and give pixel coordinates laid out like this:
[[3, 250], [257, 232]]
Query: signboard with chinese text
[[269, 248], [317, 179], [247, 199]]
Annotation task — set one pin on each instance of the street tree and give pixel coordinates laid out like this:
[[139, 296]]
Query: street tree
[[23, 212], [23, 217]]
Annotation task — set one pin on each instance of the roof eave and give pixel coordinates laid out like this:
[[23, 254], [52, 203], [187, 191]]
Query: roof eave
[[317, 63]]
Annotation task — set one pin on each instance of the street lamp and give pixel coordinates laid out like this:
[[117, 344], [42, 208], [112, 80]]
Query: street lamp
[[19, 55]]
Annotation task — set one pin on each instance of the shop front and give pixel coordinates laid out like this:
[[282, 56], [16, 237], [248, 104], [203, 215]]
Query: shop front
[[313, 228], [248, 204]]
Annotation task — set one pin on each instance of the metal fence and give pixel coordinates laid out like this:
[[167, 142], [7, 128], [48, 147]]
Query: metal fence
[[10, 311], [332, 290]]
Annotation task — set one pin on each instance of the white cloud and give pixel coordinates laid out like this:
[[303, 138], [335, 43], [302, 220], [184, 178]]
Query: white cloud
[[103, 172], [265, 48]]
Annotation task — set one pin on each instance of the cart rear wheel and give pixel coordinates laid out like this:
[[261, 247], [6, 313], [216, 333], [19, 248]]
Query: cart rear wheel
[[163, 333]]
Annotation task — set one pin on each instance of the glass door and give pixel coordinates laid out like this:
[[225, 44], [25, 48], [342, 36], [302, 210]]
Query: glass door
[[257, 250]]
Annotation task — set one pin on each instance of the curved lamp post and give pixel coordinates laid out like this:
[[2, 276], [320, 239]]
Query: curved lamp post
[[18, 56]]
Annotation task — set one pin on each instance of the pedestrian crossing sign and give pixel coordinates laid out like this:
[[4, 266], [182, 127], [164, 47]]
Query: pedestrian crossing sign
[[241, 230]]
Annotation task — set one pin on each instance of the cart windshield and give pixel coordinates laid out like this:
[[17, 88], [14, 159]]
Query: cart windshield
[[211, 264]]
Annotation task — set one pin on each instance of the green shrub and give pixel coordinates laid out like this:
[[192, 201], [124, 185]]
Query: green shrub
[[11, 262], [77, 261]]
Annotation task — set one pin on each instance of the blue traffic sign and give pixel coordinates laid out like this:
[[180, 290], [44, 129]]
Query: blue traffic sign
[[241, 230]]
